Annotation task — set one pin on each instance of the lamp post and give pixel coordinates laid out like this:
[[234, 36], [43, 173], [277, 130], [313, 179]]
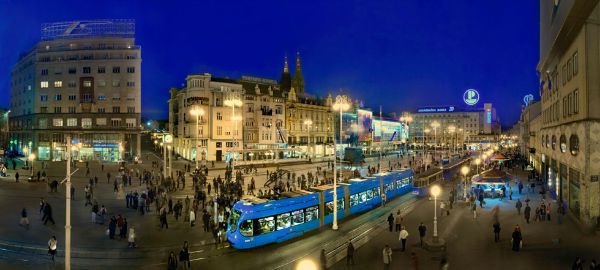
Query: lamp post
[[464, 171], [162, 145], [68, 208], [197, 112], [425, 154], [477, 162], [435, 125], [31, 159], [435, 191], [308, 124], [232, 101], [452, 130], [342, 103]]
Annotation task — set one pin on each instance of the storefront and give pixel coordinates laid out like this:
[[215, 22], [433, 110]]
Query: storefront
[[574, 189]]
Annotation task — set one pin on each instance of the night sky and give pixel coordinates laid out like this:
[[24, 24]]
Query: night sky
[[400, 54]]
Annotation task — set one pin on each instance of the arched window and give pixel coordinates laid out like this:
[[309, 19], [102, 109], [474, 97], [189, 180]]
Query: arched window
[[553, 142], [574, 145], [563, 143]]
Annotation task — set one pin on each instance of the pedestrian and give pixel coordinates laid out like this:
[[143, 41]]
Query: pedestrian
[[323, 259], [444, 265], [398, 221], [123, 229], [131, 237], [112, 227], [403, 237], [48, 214], [415, 260], [387, 257], [72, 192], [42, 204], [172, 262], [442, 206], [52, 246], [548, 211], [192, 218], [17, 177], [517, 239], [350, 254], [518, 205], [390, 220], [422, 232], [527, 213], [383, 199], [496, 231], [24, 220], [474, 209], [577, 264], [184, 256]]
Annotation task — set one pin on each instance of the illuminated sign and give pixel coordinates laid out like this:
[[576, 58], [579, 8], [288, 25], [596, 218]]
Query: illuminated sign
[[471, 97], [365, 125], [168, 138], [435, 109], [528, 99], [488, 116]]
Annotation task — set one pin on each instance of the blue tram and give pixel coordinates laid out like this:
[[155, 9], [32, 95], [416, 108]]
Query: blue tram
[[256, 222]]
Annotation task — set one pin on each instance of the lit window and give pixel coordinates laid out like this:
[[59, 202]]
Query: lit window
[[57, 84], [44, 84], [57, 122], [86, 122], [87, 83], [71, 122]]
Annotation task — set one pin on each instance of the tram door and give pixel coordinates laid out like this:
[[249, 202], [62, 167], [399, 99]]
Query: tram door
[[321, 208]]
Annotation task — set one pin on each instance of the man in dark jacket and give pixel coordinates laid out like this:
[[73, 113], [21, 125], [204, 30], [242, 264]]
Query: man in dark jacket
[[496, 231], [422, 231], [350, 254], [47, 214], [390, 220], [527, 213]]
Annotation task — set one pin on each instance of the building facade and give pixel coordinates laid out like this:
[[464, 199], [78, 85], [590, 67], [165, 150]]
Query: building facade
[[83, 81], [570, 91]]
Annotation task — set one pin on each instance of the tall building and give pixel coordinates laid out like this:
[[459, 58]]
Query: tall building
[[298, 79], [570, 91], [219, 133], [82, 80]]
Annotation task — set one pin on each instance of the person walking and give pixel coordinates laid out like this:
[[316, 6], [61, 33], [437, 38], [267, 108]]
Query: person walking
[[112, 226], [398, 221], [24, 220], [517, 239], [518, 205], [184, 256], [350, 254], [387, 257], [422, 232], [323, 260], [474, 209], [527, 213], [192, 218], [403, 237], [17, 177], [123, 229], [172, 262], [48, 214], [131, 237], [52, 246], [496, 231], [390, 221]]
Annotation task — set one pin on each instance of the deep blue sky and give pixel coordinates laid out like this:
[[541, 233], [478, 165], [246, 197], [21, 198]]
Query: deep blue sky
[[401, 54]]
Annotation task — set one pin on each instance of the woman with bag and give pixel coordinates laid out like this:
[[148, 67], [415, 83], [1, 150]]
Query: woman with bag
[[52, 245]]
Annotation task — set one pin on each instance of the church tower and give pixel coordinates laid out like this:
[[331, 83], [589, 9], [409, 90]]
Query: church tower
[[286, 81], [298, 79]]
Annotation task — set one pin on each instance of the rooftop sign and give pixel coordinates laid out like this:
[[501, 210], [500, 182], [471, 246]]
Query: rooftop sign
[[436, 109]]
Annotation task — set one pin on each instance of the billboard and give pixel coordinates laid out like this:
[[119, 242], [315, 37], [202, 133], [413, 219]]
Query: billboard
[[365, 125]]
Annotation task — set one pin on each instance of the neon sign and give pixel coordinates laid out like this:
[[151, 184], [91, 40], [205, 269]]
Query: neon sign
[[471, 97]]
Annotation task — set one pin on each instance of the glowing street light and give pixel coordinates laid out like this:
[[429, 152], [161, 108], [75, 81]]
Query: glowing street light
[[342, 103], [197, 112], [464, 171], [435, 192], [435, 125], [477, 162], [233, 101], [31, 159]]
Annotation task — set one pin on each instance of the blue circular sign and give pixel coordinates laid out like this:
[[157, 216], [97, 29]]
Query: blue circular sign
[[471, 97]]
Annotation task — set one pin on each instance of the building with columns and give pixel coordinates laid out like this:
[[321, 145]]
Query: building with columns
[[83, 81]]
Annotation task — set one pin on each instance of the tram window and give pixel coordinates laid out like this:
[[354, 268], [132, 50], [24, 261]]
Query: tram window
[[233, 220], [353, 200], [283, 221], [376, 192], [369, 194], [246, 228], [329, 207], [389, 187], [362, 197], [398, 184], [266, 225], [297, 217], [311, 213]]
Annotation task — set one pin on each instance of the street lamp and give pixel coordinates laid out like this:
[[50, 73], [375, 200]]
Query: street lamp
[[342, 103], [308, 123], [426, 131], [31, 159], [477, 162], [435, 191], [233, 101], [464, 171], [406, 121], [452, 130], [197, 112], [435, 125]]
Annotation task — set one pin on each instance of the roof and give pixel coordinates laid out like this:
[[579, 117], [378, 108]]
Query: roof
[[224, 80], [250, 88]]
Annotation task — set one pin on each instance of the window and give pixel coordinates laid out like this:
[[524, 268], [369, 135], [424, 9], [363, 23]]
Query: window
[[219, 116], [219, 130], [283, 221], [130, 96], [116, 83], [116, 109], [574, 145], [250, 107], [266, 225], [575, 64], [354, 200], [576, 101], [553, 142], [87, 70], [329, 207], [71, 122], [86, 122], [72, 97], [115, 122], [43, 123], [45, 71], [130, 83], [116, 70], [87, 83], [44, 98], [131, 109], [43, 109], [57, 122], [563, 143], [297, 217], [130, 122], [44, 84], [311, 213], [101, 83], [101, 69], [101, 121], [246, 228], [116, 97], [130, 69], [71, 109], [101, 110], [58, 97], [564, 74], [72, 84], [569, 70], [72, 70], [101, 98]]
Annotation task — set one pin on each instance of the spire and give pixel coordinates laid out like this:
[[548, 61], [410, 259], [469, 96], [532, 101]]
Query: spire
[[285, 65], [298, 79], [286, 79]]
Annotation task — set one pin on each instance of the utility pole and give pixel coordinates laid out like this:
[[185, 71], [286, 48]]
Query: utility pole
[[68, 209]]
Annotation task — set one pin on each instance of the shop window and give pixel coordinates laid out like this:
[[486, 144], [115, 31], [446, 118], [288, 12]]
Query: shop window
[[574, 145]]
